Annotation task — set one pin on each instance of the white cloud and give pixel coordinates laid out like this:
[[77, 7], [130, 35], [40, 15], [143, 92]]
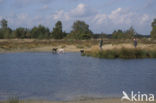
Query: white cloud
[[100, 18], [61, 15], [122, 16], [123, 19], [99, 22], [19, 20], [145, 18], [80, 10], [117, 17]]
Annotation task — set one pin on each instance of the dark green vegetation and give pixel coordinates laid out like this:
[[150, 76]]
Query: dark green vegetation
[[130, 33], [13, 100], [153, 32], [57, 32], [14, 44], [124, 53], [80, 31], [5, 32]]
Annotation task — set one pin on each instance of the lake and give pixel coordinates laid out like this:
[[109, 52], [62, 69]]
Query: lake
[[70, 75]]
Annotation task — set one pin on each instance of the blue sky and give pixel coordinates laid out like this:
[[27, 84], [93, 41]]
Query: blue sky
[[102, 15]]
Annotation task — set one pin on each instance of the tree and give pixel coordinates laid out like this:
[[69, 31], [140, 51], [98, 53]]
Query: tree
[[4, 24], [1, 34], [20, 32], [57, 31], [130, 33], [80, 31], [153, 32], [118, 34], [5, 32], [40, 32], [154, 23]]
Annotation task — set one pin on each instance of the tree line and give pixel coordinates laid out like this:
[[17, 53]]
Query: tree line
[[80, 30]]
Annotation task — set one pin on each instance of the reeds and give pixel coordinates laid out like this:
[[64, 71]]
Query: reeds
[[13, 100], [124, 53]]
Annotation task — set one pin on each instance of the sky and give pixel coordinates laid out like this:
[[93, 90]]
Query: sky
[[101, 15]]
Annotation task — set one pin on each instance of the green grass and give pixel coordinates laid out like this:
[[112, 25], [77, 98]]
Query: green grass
[[13, 100], [124, 53], [80, 46]]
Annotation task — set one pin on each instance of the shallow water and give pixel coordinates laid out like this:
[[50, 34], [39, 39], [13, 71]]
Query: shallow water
[[69, 76]]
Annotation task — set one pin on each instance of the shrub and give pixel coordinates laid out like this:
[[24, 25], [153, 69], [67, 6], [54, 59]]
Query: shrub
[[124, 53], [14, 100]]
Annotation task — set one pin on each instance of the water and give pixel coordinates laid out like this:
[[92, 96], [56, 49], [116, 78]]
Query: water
[[68, 76]]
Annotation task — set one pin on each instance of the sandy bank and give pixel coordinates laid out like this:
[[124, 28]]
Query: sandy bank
[[74, 48], [32, 45]]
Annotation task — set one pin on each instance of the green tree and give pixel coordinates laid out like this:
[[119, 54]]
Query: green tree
[[80, 30], [118, 34], [5, 32], [154, 23], [4, 24], [153, 32], [130, 33], [1, 34], [57, 31], [40, 32], [20, 32]]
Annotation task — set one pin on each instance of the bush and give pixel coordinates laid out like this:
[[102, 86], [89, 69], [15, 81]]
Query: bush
[[124, 53], [80, 31], [40, 32], [14, 100]]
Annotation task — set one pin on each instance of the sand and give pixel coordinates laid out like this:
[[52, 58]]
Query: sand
[[34, 45], [73, 48]]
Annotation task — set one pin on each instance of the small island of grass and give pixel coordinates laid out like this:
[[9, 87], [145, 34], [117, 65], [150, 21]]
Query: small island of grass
[[123, 53]]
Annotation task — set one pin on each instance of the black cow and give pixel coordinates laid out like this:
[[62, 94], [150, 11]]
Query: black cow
[[54, 50]]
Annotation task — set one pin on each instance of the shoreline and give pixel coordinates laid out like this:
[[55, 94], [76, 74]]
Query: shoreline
[[84, 100], [33, 45], [87, 100], [68, 49], [74, 48]]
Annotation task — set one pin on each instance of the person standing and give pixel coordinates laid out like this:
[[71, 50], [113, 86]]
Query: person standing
[[101, 44], [135, 42]]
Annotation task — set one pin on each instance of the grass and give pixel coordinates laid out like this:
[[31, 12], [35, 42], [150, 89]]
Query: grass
[[124, 53], [15, 45], [63, 46], [80, 46], [13, 100], [33, 43]]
